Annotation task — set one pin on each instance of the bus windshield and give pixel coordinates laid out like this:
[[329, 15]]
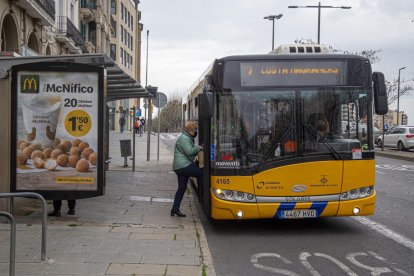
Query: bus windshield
[[256, 127]]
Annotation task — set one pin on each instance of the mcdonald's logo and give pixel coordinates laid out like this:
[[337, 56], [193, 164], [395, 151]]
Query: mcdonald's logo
[[29, 84]]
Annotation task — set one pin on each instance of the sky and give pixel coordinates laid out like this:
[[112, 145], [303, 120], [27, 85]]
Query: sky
[[185, 36]]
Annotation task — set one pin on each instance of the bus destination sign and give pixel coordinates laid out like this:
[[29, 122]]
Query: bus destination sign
[[293, 73]]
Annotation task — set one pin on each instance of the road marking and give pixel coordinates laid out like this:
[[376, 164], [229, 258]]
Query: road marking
[[380, 172], [404, 241]]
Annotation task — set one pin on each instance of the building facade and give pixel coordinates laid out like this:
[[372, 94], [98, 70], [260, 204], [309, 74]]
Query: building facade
[[390, 119], [49, 27], [125, 50], [25, 27]]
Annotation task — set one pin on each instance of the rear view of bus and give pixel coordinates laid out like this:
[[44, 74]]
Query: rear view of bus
[[277, 136]]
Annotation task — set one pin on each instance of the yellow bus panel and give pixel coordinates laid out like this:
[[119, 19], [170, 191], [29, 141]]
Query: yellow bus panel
[[317, 178], [358, 173]]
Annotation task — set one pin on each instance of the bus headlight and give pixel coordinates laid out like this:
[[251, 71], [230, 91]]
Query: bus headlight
[[357, 193], [231, 195]]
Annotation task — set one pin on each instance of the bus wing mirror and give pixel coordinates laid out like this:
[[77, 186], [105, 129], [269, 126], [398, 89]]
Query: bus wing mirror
[[206, 105], [380, 94]]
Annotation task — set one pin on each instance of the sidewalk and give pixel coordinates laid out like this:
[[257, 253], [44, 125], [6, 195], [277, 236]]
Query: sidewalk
[[394, 153], [128, 231]]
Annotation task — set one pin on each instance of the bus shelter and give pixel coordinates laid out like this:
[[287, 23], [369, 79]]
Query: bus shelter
[[54, 124]]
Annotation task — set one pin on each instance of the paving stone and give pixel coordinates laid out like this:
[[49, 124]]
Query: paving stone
[[136, 269], [183, 270], [76, 268], [131, 258], [148, 258]]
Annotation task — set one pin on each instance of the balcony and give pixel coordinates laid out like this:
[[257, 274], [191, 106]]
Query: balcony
[[41, 9], [86, 10], [67, 33]]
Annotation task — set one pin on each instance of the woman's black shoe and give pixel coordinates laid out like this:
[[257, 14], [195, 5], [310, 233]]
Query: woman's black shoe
[[55, 214], [177, 212]]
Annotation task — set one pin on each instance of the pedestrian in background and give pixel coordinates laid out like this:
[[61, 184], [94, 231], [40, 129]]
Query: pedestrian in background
[[122, 123], [185, 151], [137, 125], [57, 205]]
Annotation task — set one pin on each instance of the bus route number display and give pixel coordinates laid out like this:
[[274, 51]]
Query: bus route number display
[[293, 73]]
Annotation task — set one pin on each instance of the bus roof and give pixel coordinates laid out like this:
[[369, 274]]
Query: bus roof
[[292, 57]]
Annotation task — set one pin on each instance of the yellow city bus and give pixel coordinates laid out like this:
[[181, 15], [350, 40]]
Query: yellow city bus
[[276, 131]]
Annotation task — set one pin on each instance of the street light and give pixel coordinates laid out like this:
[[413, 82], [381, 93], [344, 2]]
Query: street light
[[398, 95], [319, 14], [272, 18]]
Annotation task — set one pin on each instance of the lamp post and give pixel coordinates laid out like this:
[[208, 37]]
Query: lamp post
[[272, 18], [319, 14], [398, 95]]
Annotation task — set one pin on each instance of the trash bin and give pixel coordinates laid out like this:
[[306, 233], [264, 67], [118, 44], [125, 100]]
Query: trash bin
[[125, 148]]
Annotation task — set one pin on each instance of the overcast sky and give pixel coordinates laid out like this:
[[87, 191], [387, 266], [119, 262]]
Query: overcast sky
[[187, 35]]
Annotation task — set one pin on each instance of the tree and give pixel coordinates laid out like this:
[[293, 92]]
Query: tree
[[392, 89]]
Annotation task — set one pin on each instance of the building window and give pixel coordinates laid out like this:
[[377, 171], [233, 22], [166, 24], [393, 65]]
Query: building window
[[113, 25], [125, 36], [132, 44], [125, 12], [121, 57], [132, 23], [113, 6], [131, 60], [113, 52], [122, 11], [129, 20], [122, 33]]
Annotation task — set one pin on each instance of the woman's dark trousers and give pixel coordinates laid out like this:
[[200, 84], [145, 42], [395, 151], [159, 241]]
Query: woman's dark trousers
[[183, 175]]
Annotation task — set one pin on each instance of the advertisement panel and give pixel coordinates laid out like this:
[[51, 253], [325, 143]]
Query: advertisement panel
[[58, 124]]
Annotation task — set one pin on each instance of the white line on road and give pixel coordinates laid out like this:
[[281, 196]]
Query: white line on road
[[404, 241], [380, 172]]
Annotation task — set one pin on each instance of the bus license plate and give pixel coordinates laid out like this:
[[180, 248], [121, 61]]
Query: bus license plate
[[291, 214]]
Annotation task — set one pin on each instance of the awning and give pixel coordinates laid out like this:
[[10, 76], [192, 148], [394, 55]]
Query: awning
[[119, 84]]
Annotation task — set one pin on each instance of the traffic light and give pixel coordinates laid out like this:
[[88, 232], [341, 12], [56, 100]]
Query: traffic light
[[404, 119]]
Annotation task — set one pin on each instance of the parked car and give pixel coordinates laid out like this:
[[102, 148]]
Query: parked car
[[401, 137]]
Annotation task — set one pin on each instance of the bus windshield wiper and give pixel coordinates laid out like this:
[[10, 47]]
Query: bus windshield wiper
[[314, 133], [273, 147]]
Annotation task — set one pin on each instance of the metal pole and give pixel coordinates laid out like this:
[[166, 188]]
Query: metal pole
[[383, 130], [146, 83], [273, 35], [44, 215], [159, 119], [319, 22], [149, 122], [133, 138], [398, 98], [12, 260]]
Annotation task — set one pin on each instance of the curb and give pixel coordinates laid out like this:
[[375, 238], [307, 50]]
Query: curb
[[394, 156]]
